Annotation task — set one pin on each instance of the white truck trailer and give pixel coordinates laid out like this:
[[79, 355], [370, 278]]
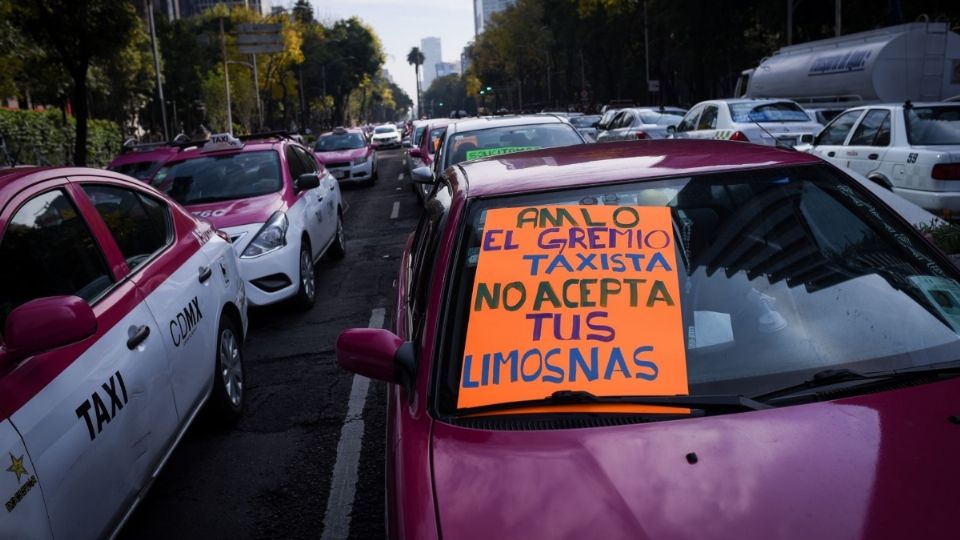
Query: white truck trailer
[[917, 61]]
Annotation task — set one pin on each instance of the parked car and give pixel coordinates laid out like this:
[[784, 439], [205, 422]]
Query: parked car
[[122, 315], [639, 124], [347, 155], [142, 161], [586, 125], [275, 200], [386, 136], [424, 153], [688, 338], [912, 149], [760, 121]]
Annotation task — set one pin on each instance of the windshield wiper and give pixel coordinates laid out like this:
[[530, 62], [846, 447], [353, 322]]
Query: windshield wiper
[[829, 377], [708, 403]]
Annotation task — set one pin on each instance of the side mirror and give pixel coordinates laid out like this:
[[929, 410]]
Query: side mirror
[[422, 175], [44, 324], [375, 353], [415, 153], [307, 181]]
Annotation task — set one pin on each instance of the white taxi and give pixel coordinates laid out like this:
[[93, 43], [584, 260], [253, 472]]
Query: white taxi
[[770, 122], [912, 149], [121, 316], [280, 207]]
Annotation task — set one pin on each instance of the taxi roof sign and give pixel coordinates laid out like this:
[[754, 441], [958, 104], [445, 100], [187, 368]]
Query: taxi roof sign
[[222, 141]]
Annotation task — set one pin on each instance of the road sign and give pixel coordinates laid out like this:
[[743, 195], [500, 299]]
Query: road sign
[[653, 86], [260, 38]]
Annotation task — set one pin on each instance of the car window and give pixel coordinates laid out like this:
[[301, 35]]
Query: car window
[[781, 273], [689, 121], [295, 165], [436, 135], [836, 132], [623, 120], [140, 225], [423, 256], [938, 125], [309, 164], [47, 250], [778, 111], [873, 129], [336, 142], [221, 177], [496, 141], [708, 119]]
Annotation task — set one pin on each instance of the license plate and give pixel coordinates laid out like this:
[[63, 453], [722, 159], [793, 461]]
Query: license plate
[[339, 174]]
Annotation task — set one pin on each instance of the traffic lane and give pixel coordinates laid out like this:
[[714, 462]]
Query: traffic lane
[[269, 476]]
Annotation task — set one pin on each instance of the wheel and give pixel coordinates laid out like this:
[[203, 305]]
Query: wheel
[[307, 295], [228, 384], [338, 248]]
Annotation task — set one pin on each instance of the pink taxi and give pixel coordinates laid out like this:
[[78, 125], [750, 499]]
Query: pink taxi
[[667, 339], [348, 155], [274, 199]]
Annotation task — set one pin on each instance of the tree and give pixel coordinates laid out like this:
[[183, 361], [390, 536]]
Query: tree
[[302, 12], [446, 94], [80, 32], [416, 59]]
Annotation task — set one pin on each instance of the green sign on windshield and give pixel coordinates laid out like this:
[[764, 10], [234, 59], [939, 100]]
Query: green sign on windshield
[[487, 152]]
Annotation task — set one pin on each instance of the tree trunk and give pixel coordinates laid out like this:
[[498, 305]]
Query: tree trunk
[[81, 111]]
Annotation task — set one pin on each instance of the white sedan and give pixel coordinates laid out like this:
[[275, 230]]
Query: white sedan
[[769, 122], [386, 136], [639, 124]]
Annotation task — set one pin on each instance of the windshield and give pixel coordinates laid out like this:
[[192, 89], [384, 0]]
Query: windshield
[[498, 141], [385, 129], [141, 170], [418, 135], [780, 111], [221, 178], [332, 143], [734, 283], [584, 121], [933, 125]]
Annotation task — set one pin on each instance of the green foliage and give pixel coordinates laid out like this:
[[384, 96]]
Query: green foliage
[[44, 138], [446, 94], [945, 235]]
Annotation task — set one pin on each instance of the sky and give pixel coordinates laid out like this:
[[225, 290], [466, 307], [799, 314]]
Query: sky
[[401, 24]]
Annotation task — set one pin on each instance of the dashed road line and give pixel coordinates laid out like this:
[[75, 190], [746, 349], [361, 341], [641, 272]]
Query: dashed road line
[[343, 486], [396, 210], [400, 177]]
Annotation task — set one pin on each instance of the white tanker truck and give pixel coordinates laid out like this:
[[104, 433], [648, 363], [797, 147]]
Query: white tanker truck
[[916, 61]]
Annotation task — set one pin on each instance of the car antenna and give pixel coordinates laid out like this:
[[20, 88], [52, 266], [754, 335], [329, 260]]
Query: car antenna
[[776, 141]]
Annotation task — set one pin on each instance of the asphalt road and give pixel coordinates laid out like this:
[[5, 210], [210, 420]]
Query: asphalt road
[[269, 476]]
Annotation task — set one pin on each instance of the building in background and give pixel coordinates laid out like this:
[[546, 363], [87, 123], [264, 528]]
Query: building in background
[[483, 9], [430, 47], [445, 68], [465, 60]]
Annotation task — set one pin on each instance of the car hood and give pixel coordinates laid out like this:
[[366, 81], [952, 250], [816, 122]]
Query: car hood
[[387, 136], [875, 466], [341, 156], [239, 211]]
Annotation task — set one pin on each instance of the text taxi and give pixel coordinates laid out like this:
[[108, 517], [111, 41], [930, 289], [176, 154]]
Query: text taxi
[[121, 315], [280, 207]]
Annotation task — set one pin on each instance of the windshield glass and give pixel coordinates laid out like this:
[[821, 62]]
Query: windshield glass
[[221, 178], [418, 135], [385, 129], [332, 143], [141, 170], [733, 283], [498, 141], [933, 125], [584, 121], [780, 111]]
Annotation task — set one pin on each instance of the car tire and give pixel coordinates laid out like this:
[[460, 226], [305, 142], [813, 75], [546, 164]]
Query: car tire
[[307, 293], [338, 249], [229, 389]]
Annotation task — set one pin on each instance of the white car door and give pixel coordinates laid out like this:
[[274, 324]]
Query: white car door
[[24, 514], [685, 129], [95, 416], [707, 125], [321, 207], [867, 147], [828, 144]]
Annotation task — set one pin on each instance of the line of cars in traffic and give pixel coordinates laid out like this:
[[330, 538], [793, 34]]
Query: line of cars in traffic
[[123, 309]]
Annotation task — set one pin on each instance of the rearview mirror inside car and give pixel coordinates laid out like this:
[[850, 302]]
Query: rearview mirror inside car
[[44, 324], [307, 181], [422, 175]]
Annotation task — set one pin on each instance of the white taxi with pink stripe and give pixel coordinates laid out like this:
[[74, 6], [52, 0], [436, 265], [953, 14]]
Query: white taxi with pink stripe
[[121, 315], [280, 207], [770, 122]]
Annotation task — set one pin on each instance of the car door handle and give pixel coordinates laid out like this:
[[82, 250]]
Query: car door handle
[[138, 337], [205, 273], [873, 156], [320, 199], [831, 153]]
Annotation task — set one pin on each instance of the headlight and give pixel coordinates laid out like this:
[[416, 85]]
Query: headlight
[[360, 161], [272, 236]]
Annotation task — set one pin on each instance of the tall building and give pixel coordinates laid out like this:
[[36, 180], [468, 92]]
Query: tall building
[[430, 47], [465, 59], [483, 9], [445, 68]]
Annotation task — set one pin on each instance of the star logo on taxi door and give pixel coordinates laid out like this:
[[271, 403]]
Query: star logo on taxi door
[[16, 467]]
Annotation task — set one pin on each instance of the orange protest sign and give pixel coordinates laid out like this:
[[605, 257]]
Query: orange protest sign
[[574, 298]]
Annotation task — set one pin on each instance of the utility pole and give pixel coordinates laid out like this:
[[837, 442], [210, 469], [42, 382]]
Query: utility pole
[[790, 7], [303, 104], [646, 48], [837, 11], [156, 68], [256, 90], [226, 77]]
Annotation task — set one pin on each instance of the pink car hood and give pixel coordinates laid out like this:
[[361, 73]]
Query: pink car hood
[[341, 156], [239, 211], [875, 466]]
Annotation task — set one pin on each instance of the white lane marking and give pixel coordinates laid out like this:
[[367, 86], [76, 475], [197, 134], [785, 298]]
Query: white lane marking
[[396, 210], [343, 486], [400, 177]]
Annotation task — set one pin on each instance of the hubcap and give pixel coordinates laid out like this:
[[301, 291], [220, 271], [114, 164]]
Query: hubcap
[[231, 368], [306, 275]]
